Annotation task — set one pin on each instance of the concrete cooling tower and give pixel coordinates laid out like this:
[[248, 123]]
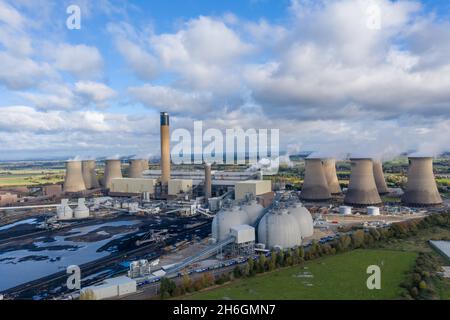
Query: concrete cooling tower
[[315, 185], [329, 167], [165, 148], [73, 181], [421, 188], [380, 181], [362, 189], [112, 171], [89, 174], [137, 166]]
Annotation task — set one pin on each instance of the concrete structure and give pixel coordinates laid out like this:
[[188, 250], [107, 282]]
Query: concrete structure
[[53, 190], [64, 212], [421, 188], [373, 211], [208, 182], [7, 198], [345, 210], [252, 188], [442, 246], [380, 181], [280, 229], [362, 189], [243, 233], [81, 211], [73, 181], [329, 167], [113, 170], [137, 166], [224, 220], [165, 148], [315, 185], [89, 174], [110, 288], [177, 186], [303, 218], [129, 186], [253, 210]]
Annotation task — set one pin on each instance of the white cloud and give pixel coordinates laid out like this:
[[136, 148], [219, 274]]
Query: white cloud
[[80, 60], [94, 91]]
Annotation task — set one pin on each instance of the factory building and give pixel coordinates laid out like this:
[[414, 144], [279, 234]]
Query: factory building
[[279, 229], [110, 288], [362, 189], [137, 166], [113, 170], [89, 175], [74, 181], [53, 190], [315, 184], [380, 181], [131, 187], [244, 243], [421, 188], [178, 186], [329, 167], [7, 198], [252, 188]]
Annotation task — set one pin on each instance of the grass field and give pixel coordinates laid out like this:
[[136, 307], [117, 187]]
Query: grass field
[[21, 178], [341, 277]]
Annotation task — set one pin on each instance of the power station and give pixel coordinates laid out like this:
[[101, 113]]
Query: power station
[[315, 185], [362, 189]]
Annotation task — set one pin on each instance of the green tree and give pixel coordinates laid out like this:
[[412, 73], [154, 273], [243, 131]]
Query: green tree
[[358, 239], [167, 288]]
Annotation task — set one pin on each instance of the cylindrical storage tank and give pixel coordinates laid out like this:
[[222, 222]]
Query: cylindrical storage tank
[[362, 190], [89, 174], [421, 188], [137, 166], [345, 210], [73, 181], [329, 167], [303, 218], [224, 220], [373, 211], [208, 182], [279, 229], [165, 148], [380, 181], [253, 210], [315, 185], [64, 212], [113, 170], [81, 211]]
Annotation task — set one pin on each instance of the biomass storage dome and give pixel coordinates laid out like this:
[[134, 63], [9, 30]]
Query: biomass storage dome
[[73, 181], [224, 220], [303, 218], [278, 228], [253, 210], [421, 189]]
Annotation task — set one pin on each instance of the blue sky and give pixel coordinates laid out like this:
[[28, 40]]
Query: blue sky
[[313, 69]]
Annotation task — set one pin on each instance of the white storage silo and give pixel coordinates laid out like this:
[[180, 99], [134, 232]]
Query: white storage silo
[[224, 220], [303, 218], [278, 228]]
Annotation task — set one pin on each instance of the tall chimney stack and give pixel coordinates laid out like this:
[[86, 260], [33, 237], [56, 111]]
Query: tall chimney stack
[[421, 189], [73, 181], [165, 148], [207, 182], [329, 166], [379, 177], [362, 189], [315, 185]]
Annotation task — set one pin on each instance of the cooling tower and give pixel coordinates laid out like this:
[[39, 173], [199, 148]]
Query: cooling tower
[[207, 182], [165, 148], [329, 166], [89, 174], [73, 181], [379, 177], [137, 166], [362, 189], [421, 189], [112, 171], [315, 185]]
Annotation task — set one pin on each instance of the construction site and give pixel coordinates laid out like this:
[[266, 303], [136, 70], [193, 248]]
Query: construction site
[[133, 226]]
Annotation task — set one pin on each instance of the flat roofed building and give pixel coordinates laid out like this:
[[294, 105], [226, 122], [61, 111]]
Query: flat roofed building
[[132, 186], [177, 186], [243, 233], [7, 198], [253, 187]]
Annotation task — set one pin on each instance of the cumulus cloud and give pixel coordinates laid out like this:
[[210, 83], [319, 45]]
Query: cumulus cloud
[[80, 60], [96, 92]]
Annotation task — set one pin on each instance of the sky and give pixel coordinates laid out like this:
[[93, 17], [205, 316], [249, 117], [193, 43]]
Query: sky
[[334, 76]]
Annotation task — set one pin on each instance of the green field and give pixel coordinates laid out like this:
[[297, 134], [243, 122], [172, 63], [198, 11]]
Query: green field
[[21, 178], [341, 277]]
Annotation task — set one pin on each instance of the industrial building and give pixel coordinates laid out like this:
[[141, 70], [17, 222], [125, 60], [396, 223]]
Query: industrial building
[[315, 184], [329, 167], [252, 188], [380, 180], [178, 186], [131, 186], [74, 181], [110, 288], [421, 188], [362, 189], [7, 198]]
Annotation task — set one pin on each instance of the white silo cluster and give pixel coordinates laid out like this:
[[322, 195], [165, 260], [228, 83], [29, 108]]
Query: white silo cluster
[[81, 211], [64, 212]]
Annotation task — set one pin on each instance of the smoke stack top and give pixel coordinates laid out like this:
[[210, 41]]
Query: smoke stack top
[[164, 119]]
